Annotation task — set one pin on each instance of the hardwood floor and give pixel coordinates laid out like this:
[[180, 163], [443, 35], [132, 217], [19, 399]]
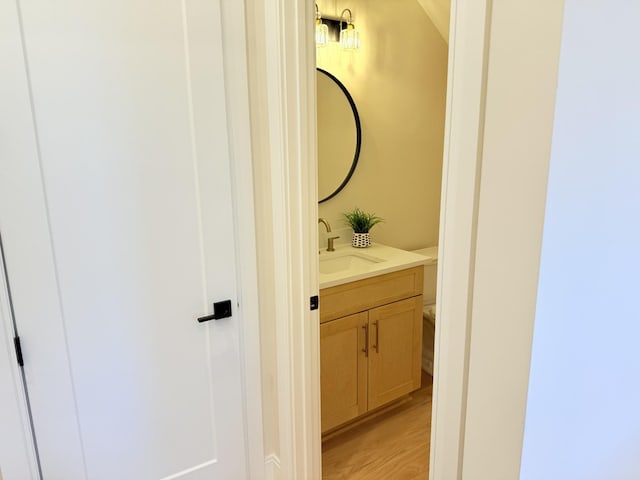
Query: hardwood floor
[[394, 445]]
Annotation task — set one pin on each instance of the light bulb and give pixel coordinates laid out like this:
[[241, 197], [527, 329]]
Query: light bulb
[[349, 38], [322, 33]]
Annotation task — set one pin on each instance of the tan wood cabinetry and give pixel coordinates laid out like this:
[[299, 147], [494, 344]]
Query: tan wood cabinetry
[[370, 344], [343, 369]]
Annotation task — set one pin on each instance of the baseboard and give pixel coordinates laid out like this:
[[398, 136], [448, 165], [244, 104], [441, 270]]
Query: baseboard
[[272, 467]]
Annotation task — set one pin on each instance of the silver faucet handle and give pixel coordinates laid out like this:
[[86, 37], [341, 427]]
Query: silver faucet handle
[[330, 243]]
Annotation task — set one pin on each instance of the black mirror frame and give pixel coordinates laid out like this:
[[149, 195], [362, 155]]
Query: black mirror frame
[[356, 155]]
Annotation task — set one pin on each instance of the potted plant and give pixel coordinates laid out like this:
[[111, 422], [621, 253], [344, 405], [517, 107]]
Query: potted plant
[[361, 222]]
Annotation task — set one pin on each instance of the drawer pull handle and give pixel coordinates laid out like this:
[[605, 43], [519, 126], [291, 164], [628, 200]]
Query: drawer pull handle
[[365, 327], [377, 345]]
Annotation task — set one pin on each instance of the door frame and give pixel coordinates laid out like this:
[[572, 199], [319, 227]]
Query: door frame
[[235, 58], [478, 243], [21, 436], [284, 141]]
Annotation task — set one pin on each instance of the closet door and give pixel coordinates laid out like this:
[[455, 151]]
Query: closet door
[[116, 210]]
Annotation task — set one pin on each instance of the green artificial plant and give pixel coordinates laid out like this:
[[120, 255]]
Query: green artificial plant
[[360, 221]]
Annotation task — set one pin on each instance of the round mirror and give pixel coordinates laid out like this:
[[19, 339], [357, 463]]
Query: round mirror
[[338, 135]]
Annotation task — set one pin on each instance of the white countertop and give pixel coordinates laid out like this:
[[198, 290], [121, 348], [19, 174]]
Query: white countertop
[[351, 264]]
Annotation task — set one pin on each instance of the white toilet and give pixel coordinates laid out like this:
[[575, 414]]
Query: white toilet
[[429, 307]]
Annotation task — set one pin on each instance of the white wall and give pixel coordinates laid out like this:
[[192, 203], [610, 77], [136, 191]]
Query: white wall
[[583, 412]]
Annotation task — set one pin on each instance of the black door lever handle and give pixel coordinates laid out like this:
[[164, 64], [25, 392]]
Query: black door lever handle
[[220, 310]]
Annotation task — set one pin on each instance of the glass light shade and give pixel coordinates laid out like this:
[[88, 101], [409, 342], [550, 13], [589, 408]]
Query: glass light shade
[[350, 38], [322, 34]]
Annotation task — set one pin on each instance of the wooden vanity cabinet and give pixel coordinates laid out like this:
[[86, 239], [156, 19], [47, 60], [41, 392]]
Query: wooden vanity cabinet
[[372, 356], [343, 369]]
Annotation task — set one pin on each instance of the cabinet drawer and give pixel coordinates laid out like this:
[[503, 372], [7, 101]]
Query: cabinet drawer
[[342, 300]]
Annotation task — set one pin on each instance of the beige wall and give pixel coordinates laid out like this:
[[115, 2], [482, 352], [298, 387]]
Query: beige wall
[[398, 81]]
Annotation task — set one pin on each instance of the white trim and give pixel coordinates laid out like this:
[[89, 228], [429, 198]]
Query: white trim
[[466, 89], [7, 354], [282, 84], [235, 57], [272, 467], [520, 106]]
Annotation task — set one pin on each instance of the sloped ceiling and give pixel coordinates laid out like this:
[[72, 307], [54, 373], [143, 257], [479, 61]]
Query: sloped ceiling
[[438, 11]]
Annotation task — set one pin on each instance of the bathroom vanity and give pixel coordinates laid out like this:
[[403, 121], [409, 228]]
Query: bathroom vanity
[[370, 329]]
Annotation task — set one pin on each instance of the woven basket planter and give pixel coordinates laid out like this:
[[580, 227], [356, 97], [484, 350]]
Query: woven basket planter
[[361, 240]]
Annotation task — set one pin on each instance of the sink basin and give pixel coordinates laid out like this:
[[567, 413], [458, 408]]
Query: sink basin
[[348, 264], [349, 261]]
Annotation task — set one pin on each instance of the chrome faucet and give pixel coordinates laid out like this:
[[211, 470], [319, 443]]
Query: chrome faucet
[[330, 240]]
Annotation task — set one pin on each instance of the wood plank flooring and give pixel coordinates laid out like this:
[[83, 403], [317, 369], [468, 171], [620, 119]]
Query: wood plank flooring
[[394, 445]]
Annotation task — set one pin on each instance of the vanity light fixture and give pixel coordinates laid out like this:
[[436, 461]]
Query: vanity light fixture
[[349, 36], [322, 31]]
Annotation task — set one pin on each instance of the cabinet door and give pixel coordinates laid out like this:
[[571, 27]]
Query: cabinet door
[[395, 345], [343, 369]]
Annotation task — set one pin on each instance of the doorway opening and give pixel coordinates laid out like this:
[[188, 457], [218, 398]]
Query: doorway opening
[[396, 82]]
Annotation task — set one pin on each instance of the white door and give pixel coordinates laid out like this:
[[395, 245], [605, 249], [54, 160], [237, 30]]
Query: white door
[[115, 207]]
